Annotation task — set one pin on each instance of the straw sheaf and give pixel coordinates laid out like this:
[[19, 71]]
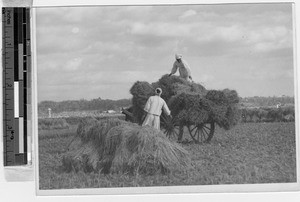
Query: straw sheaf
[[173, 85], [143, 150], [141, 91], [82, 157], [117, 146], [193, 109], [88, 128]]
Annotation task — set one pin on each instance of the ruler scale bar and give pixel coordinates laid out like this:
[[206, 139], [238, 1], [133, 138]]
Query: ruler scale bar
[[16, 99], [16, 139], [26, 60], [21, 99], [21, 136], [25, 90], [21, 62], [8, 113], [16, 52], [16, 85], [20, 25]]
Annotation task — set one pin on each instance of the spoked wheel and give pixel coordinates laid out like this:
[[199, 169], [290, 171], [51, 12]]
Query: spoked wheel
[[170, 127], [202, 133]]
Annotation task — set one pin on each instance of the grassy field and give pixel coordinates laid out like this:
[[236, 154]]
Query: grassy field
[[249, 153]]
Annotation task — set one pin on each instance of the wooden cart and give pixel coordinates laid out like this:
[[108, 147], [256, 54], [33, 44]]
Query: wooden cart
[[174, 129]]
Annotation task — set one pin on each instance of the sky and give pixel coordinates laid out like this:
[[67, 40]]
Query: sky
[[92, 52]]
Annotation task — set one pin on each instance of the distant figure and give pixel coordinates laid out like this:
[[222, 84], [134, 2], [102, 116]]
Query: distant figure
[[49, 113], [184, 69], [278, 105], [154, 106]]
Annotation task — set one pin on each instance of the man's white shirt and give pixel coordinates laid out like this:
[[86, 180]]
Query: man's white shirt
[[155, 105]]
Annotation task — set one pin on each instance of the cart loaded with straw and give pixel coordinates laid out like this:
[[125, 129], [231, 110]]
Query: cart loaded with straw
[[112, 145], [193, 108]]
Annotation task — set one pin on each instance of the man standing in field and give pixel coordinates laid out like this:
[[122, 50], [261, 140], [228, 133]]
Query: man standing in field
[[184, 69], [154, 106]]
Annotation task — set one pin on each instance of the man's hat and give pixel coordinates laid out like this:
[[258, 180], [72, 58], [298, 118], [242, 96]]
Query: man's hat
[[158, 91], [178, 56]]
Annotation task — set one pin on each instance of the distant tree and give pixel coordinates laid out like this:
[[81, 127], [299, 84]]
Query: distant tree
[[261, 114], [80, 105], [275, 115], [244, 115], [258, 101], [288, 110], [251, 114]]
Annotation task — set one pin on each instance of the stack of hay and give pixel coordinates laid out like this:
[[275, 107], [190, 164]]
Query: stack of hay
[[216, 106], [170, 85], [191, 103], [225, 112], [113, 145], [174, 85]]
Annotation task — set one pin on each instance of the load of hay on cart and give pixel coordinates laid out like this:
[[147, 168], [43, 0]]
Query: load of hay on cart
[[192, 106]]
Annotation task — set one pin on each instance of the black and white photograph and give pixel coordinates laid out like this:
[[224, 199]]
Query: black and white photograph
[[166, 96]]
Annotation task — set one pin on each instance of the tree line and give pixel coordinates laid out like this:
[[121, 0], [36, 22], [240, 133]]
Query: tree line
[[258, 101], [253, 109], [268, 114], [83, 105]]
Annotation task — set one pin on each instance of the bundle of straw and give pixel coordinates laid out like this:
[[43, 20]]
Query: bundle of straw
[[144, 150], [173, 85], [193, 109], [82, 157], [141, 91], [117, 146]]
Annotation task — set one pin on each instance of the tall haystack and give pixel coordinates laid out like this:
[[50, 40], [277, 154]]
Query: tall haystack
[[117, 146]]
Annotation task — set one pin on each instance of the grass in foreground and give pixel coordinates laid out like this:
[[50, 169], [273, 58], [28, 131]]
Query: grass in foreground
[[249, 153]]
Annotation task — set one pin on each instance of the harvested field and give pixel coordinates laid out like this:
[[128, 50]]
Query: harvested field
[[247, 154], [52, 123]]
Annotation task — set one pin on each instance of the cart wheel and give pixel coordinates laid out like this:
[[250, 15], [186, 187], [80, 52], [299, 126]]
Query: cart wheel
[[170, 127], [202, 133]]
